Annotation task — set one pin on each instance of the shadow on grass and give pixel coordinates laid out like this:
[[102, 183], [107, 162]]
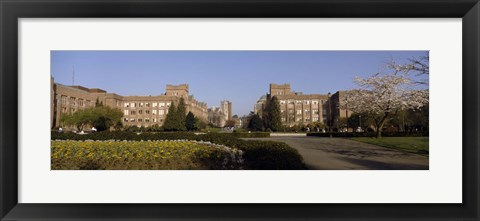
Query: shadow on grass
[[375, 165]]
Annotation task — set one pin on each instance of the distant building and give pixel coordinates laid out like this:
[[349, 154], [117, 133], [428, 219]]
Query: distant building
[[238, 121], [218, 116], [137, 110], [226, 107], [260, 105], [298, 108]]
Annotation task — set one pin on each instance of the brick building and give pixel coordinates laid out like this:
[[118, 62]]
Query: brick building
[[137, 110], [298, 108]]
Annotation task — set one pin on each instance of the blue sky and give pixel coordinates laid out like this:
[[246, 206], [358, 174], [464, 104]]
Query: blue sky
[[239, 76]]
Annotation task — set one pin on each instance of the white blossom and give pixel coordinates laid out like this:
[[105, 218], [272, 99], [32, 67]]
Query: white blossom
[[384, 95]]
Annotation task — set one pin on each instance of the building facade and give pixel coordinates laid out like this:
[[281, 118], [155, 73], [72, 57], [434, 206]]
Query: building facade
[[218, 116], [301, 109], [137, 110]]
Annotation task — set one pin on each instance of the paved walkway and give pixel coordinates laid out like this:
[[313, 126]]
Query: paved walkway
[[326, 153]]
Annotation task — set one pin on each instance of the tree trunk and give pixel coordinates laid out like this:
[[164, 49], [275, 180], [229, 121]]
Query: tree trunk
[[380, 127]]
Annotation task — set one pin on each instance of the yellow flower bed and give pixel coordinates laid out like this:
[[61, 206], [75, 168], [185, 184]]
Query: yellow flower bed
[[142, 155]]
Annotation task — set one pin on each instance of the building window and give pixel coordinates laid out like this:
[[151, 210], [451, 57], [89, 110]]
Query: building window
[[147, 120], [132, 104], [147, 104], [161, 112], [155, 104], [140, 119], [315, 111], [154, 112], [299, 102], [132, 112], [315, 102], [307, 112], [307, 102], [299, 112], [125, 119], [283, 119], [126, 105], [315, 119], [147, 111], [140, 111], [154, 120], [63, 99], [80, 102], [140, 104], [168, 104], [161, 104], [282, 102], [125, 112], [72, 101], [132, 119]]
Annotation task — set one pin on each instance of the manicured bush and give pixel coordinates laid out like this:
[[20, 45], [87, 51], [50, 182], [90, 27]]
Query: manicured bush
[[370, 134], [258, 155], [250, 135]]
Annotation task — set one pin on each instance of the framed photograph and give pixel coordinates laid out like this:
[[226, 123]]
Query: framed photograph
[[256, 110]]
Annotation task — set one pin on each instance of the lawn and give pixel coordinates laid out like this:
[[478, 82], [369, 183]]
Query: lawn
[[417, 145]]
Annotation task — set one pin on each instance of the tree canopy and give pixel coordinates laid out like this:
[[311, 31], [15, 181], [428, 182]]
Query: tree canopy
[[190, 122], [274, 115], [255, 123], [181, 114], [169, 124], [101, 117], [382, 96], [176, 117]]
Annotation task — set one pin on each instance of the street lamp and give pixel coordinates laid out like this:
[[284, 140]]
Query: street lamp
[[360, 124], [330, 114]]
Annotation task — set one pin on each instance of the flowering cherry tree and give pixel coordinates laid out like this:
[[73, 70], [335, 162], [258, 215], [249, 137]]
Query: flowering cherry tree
[[418, 65], [383, 95]]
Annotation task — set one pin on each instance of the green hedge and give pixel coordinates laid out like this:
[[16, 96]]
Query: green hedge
[[370, 134], [250, 135], [258, 155]]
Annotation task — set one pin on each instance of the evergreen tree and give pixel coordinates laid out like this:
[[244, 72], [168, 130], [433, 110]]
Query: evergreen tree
[[190, 122], [181, 115], [169, 124], [256, 123], [274, 115], [266, 111], [98, 103]]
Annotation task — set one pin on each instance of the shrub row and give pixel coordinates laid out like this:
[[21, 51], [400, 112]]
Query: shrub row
[[250, 135], [258, 155], [370, 134]]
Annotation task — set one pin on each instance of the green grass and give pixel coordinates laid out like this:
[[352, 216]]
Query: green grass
[[417, 145]]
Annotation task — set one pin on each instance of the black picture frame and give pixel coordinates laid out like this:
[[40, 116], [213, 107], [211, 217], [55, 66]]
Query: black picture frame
[[10, 11]]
